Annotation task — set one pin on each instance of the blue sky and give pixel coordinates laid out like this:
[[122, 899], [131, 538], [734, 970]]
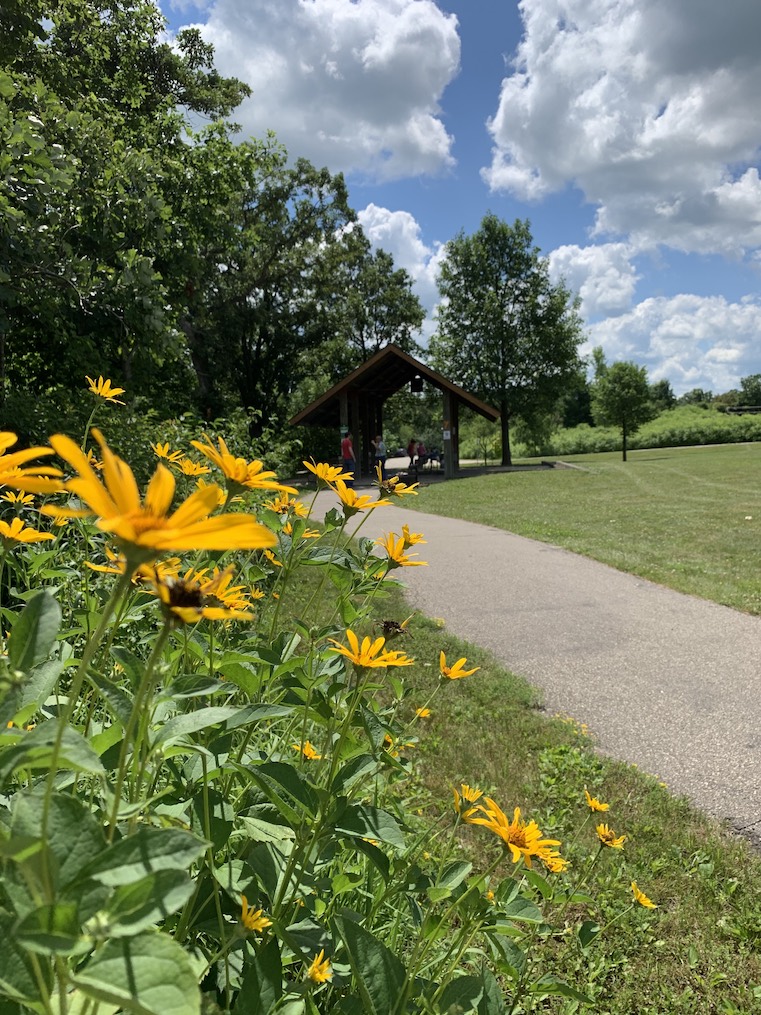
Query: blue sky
[[626, 131]]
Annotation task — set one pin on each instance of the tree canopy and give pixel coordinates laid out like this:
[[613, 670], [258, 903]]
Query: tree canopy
[[621, 398], [194, 266], [505, 331]]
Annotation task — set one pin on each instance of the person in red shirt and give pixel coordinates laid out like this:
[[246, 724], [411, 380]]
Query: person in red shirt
[[347, 454]]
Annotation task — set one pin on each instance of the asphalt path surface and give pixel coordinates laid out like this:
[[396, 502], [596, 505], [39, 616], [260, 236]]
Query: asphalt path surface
[[663, 680]]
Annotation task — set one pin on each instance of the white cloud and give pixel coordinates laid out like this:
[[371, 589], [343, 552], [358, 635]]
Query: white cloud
[[355, 86], [649, 108], [694, 341], [399, 233], [602, 275]]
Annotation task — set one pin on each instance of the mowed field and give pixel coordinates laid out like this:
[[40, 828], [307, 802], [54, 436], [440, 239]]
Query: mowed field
[[688, 518]]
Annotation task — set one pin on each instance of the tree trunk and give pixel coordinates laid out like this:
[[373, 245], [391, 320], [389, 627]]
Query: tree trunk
[[507, 458], [623, 435]]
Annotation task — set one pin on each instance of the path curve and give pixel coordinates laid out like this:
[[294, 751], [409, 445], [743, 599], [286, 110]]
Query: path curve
[[664, 680]]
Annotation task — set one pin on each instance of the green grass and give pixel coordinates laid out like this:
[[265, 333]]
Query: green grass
[[688, 518], [698, 953]]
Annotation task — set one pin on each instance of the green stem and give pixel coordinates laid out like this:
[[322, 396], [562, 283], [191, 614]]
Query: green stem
[[138, 706]]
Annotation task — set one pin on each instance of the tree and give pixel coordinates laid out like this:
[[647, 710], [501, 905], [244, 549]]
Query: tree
[[698, 396], [505, 332], [662, 395], [750, 388], [621, 397]]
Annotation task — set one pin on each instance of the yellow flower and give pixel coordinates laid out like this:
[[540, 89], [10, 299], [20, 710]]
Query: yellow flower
[[411, 538], [103, 389], [395, 747], [306, 534], [18, 498], [608, 837], [162, 451], [320, 970], [145, 530], [422, 713], [201, 484], [594, 804], [393, 485], [190, 468], [272, 558], [524, 839], [455, 671], [308, 750], [30, 479], [370, 654], [283, 505], [117, 564], [196, 597], [328, 473], [641, 898], [394, 547], [465, 796], [17, 532], [253, 919], [354, 502], [240, 474]]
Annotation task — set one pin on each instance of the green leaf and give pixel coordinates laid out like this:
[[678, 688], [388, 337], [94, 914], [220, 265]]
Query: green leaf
[[147, 975], [369, 822], [52, 929], [541, 883], [376, 856], [135, 907], [193, 722], [118, 701], [73, 834], [17, 978], [35, 750], [587, 932], [361, 767], [262, 985], [522, 910], [493, 1001], [284, 786], [264, 831], [379, 974], [36, 688], [148, 850], [454, 874], [462, 995], [212, 817], [34, 633], [549, 984]]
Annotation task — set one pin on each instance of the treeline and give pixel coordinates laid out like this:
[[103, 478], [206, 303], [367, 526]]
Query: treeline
[[204, 272], [617, 408]]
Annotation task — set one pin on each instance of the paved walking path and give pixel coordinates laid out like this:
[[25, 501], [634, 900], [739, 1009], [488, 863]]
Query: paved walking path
[[663, 680]]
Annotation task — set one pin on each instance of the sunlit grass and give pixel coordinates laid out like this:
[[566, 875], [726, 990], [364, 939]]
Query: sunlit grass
[[688, 518]]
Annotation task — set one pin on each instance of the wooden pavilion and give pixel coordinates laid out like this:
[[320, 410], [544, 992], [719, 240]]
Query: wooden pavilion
[[355, 404]]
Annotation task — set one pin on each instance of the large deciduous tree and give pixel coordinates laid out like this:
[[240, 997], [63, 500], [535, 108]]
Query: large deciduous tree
[[505, 331], [621, 398]]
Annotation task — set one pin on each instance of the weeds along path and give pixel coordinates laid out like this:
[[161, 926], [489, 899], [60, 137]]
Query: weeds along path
[[664, 680]]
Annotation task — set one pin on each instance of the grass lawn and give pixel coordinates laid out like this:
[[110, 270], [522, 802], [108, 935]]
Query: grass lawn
[[698, 952], [688, 518]]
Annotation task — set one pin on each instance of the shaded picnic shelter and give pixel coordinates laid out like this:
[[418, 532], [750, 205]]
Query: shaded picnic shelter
[[355, 404]]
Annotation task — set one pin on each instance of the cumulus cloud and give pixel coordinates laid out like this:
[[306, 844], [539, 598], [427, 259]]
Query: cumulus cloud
[[399, 233], [602, 275], [649, 108], [695, 341], [355, 86]]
